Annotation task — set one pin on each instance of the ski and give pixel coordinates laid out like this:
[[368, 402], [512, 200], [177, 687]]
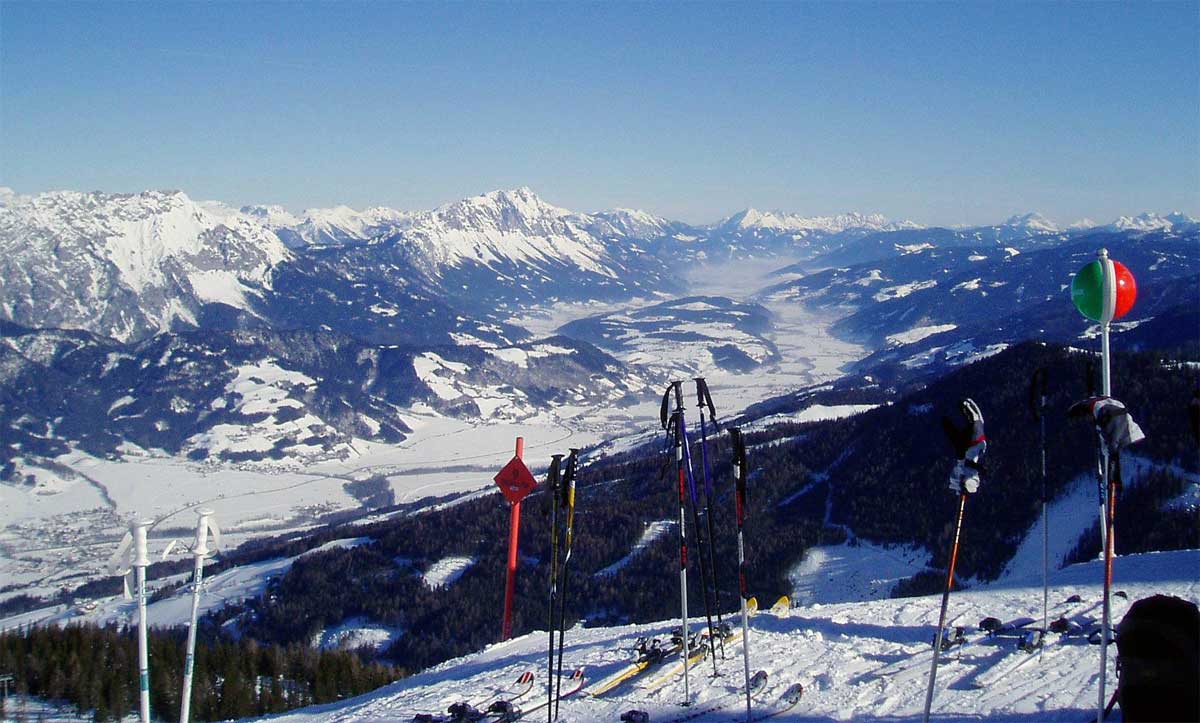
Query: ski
[[758, 684], [781, 606], [463, 711], [788, 700], [505, 712], [1034, 646], [649, 653], [697, 654]]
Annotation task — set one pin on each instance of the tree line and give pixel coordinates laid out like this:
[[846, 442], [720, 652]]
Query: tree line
[[95, 669]]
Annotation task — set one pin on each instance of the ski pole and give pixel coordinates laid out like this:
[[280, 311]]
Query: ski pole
[[552, 480], [204, 526], [740, 473], [937, 645], [705, 399], [1109, 544], [683, 613], [704, 572], [1037, 402], [569, 490]]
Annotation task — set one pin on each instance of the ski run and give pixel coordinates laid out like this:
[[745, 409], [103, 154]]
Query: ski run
[[863, 661]]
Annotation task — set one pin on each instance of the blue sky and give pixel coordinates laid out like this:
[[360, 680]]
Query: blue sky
[[942, 113]]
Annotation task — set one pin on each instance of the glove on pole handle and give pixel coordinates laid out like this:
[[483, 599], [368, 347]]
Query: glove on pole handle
[[937, 644]]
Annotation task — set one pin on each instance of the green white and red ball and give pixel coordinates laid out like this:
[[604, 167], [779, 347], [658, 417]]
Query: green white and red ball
[[1104, 290]]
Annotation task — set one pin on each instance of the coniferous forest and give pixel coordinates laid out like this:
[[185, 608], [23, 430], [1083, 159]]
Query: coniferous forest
[[95, 668]]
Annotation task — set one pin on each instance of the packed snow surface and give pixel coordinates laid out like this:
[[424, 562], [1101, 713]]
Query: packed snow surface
[[862, 661]]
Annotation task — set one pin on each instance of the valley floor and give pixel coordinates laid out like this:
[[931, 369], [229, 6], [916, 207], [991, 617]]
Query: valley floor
[[866, 661]]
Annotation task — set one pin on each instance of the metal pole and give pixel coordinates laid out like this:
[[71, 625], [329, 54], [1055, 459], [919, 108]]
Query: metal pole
[[704, 569], [740, 469], [141, 561], [199, 552], [937, 645], [552, 493], [572, 462], [1045, 533], [1108, 565], [676, 425]]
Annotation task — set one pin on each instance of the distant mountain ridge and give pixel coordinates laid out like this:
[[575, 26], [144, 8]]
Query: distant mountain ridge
[[128, 266]]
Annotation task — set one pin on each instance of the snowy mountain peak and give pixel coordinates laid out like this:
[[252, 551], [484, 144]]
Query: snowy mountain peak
[[272, 216], [1149, 221], [1032, 221], [752, 218], [504, 226], [517, 208], [629, 222]]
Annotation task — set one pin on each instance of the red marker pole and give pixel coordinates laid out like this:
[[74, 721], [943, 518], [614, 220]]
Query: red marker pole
[[514, 532]]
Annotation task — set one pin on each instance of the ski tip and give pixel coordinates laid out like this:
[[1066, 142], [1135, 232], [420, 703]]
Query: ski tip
[[758, 681], [577, 674], [783, 604], [752, 604], [525, 677], [792, 695]]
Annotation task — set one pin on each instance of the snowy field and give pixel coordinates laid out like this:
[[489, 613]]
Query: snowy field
[[231, 586], [864, 661]]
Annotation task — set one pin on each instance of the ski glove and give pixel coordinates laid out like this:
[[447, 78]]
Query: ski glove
[[969, 445], [1116, 427]]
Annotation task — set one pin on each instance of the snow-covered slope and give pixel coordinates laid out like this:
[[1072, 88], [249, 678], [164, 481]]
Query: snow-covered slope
[[129, 265], [856, 661]]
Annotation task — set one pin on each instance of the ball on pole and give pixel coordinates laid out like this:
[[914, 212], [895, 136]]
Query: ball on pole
[[1104, 290]]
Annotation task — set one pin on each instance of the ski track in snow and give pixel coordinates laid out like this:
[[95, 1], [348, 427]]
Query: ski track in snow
[[835, 651]]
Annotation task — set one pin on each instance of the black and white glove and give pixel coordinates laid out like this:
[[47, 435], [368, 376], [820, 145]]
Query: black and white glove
[[969, 445]]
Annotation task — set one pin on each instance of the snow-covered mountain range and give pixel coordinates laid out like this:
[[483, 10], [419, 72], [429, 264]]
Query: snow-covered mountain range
[[89, 279], [130, 265]]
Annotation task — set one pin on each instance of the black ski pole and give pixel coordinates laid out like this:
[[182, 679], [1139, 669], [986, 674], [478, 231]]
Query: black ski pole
[[568, 488], [552, 484], [1037, 402], [937, 645], [683, 614], [741, 470], [691, 478], [705, 400]]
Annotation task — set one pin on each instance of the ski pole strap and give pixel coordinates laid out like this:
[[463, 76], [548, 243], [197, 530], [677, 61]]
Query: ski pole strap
[[665, 408]]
